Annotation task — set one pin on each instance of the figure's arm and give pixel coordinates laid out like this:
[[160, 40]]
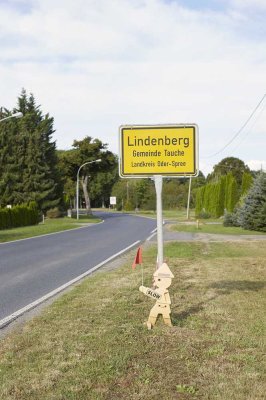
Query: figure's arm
[[167, 298], [150, 292]]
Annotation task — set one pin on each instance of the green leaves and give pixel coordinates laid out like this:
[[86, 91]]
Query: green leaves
[[28, 162]]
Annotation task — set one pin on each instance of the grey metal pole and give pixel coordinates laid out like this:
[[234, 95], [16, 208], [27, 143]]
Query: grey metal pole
[[158, 179], [77, 194], [188, 199], [127, 192]]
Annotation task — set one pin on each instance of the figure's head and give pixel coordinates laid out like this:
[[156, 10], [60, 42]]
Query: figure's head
[[163, 277]]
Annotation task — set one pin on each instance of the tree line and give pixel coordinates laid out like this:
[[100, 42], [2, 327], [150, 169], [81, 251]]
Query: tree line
[[236, 193], [33, 170], [229, 182]]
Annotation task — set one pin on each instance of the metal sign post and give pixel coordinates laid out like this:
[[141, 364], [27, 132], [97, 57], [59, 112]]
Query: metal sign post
[[188, 198], [158, 179], [158, 151]]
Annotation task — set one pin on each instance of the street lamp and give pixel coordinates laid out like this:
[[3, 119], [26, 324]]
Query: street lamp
[[16, 115], [77, 190]]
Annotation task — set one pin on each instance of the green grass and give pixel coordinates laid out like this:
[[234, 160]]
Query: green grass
[[213, 228], [178, 214], [92, 344], [49, 226]]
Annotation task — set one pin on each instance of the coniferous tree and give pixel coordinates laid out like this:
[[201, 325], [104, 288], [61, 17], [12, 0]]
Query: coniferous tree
[[10, 171], [247, 181], [40, 175], [221, 197], [29, 172], [231, 193], [252, 214], [199, 200]]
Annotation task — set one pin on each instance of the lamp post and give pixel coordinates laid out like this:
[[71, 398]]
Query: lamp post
[[16, 115], [77, 190]]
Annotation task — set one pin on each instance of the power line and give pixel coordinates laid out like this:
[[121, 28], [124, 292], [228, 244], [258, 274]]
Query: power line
[[252, 126], [240, 130]]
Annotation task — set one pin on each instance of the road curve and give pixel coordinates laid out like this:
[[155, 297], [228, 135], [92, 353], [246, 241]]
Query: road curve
[[29, 269]]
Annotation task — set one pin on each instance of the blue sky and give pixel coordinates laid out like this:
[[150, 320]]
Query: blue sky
[[97, 64], [202, 4]]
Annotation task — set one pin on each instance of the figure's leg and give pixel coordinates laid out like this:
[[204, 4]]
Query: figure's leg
[[152, 318], [167, 319]]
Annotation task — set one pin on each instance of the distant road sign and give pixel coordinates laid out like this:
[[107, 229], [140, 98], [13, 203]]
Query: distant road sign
[[167, 150], [113, 200]]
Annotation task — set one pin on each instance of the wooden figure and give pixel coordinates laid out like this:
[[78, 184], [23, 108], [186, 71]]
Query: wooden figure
[[162, 280]]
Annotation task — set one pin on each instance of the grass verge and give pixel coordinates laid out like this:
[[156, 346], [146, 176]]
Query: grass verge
[[177, 214], [214, 228], [49, 226], [91, 343]]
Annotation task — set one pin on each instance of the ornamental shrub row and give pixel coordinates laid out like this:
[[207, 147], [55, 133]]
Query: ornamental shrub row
[[216, 197], [20, 215]]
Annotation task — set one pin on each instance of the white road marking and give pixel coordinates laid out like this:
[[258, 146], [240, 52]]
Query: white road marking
[[151, 236]]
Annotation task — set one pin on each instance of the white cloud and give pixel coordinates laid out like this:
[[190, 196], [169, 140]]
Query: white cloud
[[249, 4], [96, 64]]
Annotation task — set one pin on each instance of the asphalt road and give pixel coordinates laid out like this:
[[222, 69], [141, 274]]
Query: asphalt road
[[29, 269]]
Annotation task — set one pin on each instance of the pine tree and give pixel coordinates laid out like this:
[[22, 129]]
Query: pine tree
[[28, 159], [10, 171], [252, 214], [40, 175]]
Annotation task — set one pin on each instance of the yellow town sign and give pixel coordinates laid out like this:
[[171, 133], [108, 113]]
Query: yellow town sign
[[167, 150]]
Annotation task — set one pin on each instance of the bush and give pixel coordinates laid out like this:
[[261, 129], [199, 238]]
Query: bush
[[228, 220], [204, 215], [20, 215], [54, 213], [128, 206]]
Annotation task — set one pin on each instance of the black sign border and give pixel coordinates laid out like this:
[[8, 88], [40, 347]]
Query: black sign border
[[154, 127]]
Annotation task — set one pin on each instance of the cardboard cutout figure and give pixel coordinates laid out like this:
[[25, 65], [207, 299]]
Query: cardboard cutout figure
[[162, 280]]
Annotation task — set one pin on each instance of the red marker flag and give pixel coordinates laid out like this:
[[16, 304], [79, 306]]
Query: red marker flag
[[138, 258]]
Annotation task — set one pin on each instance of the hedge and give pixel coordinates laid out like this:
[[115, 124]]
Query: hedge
[[20, 215], [215, 197]]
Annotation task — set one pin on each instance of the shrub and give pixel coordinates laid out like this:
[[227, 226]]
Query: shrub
[[20, 215], [54, 213], [228, 219], [128, 206], [204, 215]]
